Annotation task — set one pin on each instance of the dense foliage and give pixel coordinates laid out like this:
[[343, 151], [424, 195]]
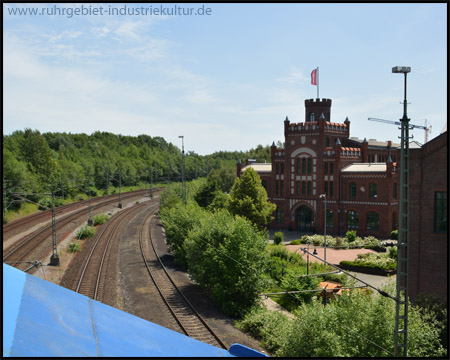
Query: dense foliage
[[69, 164], [356, 324], [227, 256], [248, 199]]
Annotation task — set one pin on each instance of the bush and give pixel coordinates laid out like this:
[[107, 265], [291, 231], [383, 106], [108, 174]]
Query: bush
[[296, 242], [350, 235], [340, 241], [278, 237], [393, 252], [100, 219], [280, 251], [227, 256], [394, 235], [86, 232], [74, 247]]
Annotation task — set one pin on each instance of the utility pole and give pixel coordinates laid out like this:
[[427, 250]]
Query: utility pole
[[54, 259], [120, 191], [151, 182], [89, 221], [183, 186], [62, 187], [401, 309], [107, 182]]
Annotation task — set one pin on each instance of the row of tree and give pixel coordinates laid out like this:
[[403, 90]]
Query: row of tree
[[68, 164]]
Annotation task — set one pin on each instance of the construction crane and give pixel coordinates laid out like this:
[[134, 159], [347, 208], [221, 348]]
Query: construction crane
[[411, 126]]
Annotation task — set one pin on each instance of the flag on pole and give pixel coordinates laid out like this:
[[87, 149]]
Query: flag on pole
[[314, 77]]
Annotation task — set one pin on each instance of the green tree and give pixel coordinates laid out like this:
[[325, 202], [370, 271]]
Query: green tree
[[227, 257], [248, 198], [207, 193]]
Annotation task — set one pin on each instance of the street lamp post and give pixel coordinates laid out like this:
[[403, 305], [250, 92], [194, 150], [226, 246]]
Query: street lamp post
[[401, 310], [324, 196]]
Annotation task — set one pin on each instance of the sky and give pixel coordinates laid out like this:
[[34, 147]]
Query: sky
[[224, 77]]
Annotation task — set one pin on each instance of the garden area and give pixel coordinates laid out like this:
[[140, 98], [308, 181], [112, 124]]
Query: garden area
[[221, 240]]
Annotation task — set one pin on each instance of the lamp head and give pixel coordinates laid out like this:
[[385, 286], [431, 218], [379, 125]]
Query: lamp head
[[401, 69]]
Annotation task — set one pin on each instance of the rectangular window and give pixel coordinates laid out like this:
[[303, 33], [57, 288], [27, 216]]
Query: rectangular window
[[309, 187], [372, 190], [331, 169], [440, 212], [298, 166], [277, 168], [303, 166], [297, 190], [352, 190], [303, 187], [329, 218], [326, 169], [309, 166], [331, 189], [277, 187], [282, 168], [394, 191], [325, 187], [280, 215], [282, 187]]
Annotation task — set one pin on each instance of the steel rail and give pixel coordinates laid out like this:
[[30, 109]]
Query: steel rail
[[181, 294]]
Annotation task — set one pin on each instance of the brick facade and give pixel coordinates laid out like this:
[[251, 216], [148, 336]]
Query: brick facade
[[318, 157], [428, 264]]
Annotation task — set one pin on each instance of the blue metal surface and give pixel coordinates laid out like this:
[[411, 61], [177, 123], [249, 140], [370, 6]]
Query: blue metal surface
[[44, 319]]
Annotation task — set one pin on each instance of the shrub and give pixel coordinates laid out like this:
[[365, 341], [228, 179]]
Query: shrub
[[100, 219], [86, 232], [280, 251], [296, 242], [350, 235], [393, 252], [227, 256], [340, 241], [74, 247], [278, 237], [394, 235]]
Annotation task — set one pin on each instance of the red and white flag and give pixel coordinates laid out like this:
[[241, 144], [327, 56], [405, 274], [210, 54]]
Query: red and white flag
[[314, 77]]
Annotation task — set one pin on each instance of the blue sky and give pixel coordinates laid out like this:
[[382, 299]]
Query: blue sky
[[225, 81]]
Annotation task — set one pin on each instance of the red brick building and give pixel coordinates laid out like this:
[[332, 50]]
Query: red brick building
[[428, 239], [359, 178]]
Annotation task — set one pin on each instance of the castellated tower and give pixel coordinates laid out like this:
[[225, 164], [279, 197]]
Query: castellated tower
[[315, 108]]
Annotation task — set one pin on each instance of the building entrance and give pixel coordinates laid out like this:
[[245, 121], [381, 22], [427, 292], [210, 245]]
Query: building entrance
[[305, 219]]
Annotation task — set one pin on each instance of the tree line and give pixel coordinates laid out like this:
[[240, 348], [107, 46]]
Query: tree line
[[70, 164]]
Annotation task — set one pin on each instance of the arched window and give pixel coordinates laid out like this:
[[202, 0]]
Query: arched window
[[352, 219], [352, 190], [372, 221], [311, 117]]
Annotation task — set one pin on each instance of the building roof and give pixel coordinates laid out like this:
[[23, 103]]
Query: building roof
[[365, 167], [374, 142], [259, 167], [45, 319]]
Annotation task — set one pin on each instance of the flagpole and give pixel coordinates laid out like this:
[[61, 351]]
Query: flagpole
[[318, 82]]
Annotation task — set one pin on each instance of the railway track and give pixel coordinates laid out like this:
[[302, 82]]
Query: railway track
[[25, 248], [91, 276], [43, 216], [188, 319]]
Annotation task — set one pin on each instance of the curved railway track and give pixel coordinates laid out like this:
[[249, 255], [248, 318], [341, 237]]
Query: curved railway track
[[28, 245], [43, 216], [187, 318], [91, 275]]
